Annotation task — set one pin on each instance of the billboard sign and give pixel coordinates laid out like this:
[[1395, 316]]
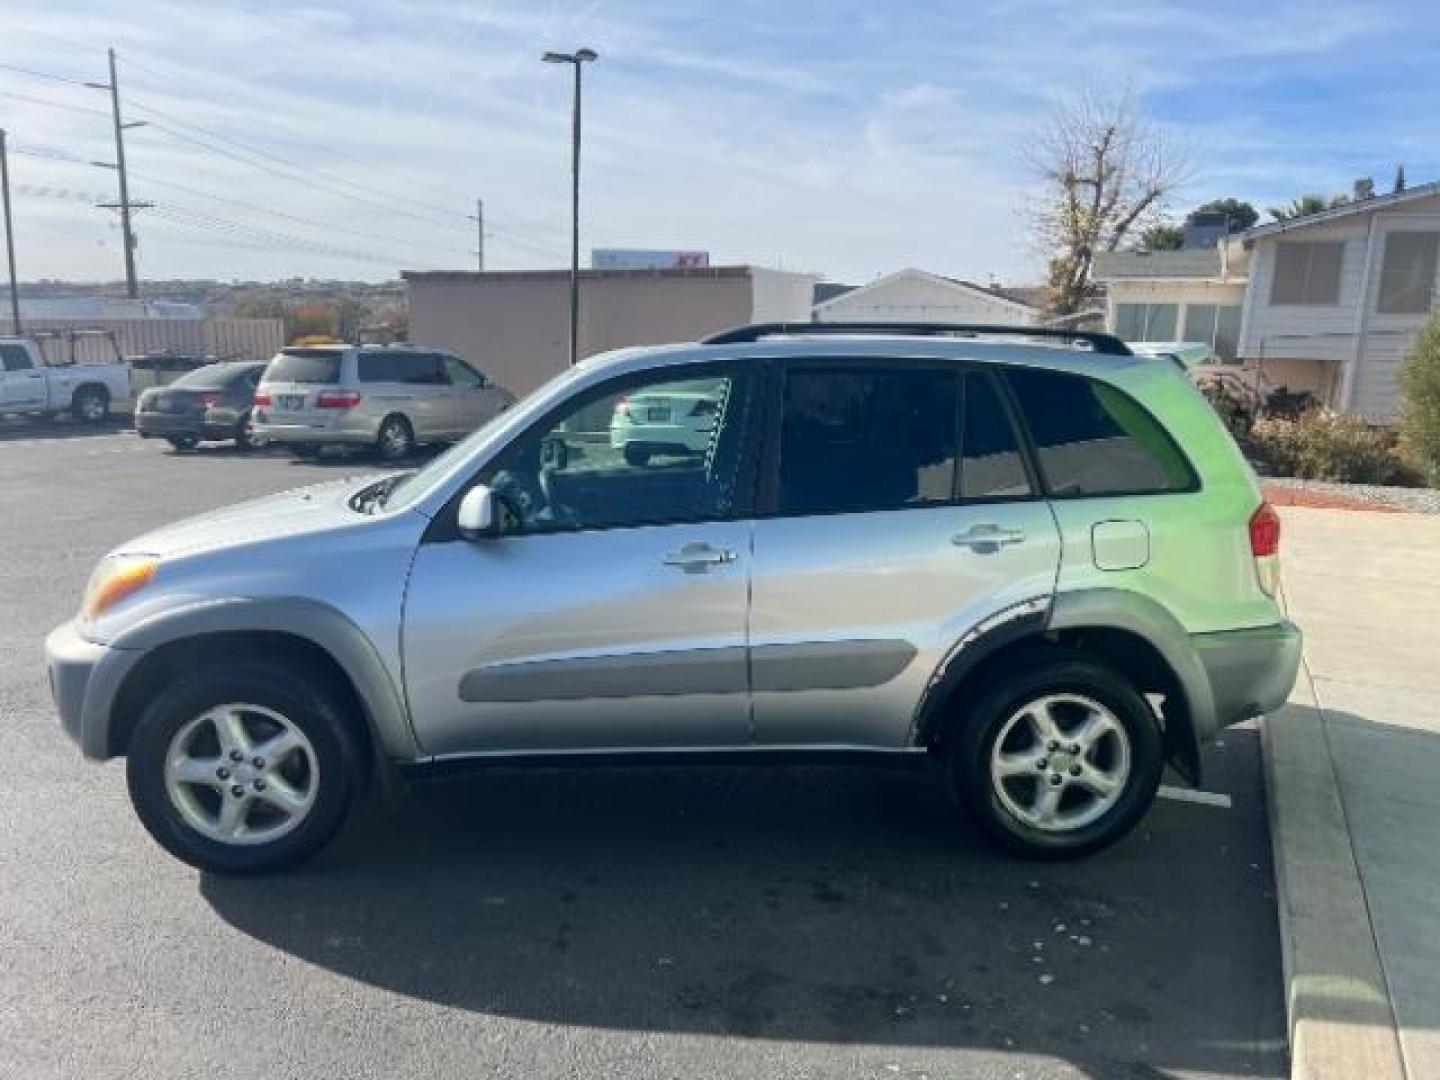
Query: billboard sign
[[638, 259]]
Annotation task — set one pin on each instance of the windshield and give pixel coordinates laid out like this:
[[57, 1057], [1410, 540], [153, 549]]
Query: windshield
[[304, 366]]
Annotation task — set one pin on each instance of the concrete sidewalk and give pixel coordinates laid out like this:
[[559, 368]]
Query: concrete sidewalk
[[1351, 767]]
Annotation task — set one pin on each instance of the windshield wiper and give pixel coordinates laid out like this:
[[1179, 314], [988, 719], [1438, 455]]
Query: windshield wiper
[[369, 499]]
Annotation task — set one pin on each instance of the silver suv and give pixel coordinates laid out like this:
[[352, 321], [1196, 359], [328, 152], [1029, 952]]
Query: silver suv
[[388, 397], [1037, 561]]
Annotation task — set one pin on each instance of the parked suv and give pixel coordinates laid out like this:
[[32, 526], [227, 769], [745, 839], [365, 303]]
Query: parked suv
[[1037, 560], [386, 397]]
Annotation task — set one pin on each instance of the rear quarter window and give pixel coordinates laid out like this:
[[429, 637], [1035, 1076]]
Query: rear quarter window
[[304, 366], [1092, 439]]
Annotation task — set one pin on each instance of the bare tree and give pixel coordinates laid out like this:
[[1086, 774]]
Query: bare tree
[[1107, 173]]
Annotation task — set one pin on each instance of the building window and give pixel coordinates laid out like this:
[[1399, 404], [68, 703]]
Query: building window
[[1307, 272], [1146, 322], [1216, 325], [1407, 275]]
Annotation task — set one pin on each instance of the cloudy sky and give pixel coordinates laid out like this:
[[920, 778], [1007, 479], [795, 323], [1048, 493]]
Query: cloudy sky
[[842, 137]]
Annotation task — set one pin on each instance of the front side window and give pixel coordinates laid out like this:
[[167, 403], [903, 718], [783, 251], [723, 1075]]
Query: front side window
[[662, 450], [419, 369], [1407, 274], [461, 374], [1092, 439], [15, 358], [857, 440], [1307, 272]]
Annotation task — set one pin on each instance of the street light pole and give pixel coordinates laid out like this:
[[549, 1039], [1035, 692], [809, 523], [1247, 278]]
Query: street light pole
[[9, 237], [576, 59]]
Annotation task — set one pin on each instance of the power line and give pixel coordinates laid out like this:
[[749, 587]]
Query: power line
[[54, 104], [41, 74]]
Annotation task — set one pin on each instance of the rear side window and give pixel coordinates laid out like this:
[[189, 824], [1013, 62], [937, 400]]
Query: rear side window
[[1095, 440], [854, 441], [304, 366], [375, 367], [991, 467], [15, 358]]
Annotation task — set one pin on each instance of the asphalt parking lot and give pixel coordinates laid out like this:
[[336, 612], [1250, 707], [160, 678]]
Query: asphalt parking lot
[[621, 922]]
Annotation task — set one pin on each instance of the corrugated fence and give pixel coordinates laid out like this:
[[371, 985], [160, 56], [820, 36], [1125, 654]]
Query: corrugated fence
[[226, 339]]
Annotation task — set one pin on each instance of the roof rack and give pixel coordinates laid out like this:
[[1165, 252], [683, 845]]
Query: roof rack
[[1108, 344]]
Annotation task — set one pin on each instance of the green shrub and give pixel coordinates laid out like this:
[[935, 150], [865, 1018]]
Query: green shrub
[[1420, 404], [1325, 445]]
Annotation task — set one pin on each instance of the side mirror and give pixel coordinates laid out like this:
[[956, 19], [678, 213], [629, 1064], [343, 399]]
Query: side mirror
[[477, 517]]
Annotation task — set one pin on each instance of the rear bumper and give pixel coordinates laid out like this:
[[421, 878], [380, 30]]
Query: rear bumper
[[84, 678], [340, 429], [161, 425], [1250, 671]]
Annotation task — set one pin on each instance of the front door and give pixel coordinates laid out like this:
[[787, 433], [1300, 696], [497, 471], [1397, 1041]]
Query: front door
[[610, 613], [884, 543]]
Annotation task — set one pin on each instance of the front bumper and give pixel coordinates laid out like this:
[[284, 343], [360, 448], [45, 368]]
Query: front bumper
[[84, 679], [1251, 672]]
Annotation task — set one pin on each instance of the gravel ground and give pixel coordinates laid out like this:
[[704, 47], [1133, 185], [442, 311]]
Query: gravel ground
[[1416, 500]]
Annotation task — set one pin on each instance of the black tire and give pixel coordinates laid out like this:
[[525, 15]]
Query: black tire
[[636, 455], [304, 451], [182, 442], [245, 440], [307, 702], [976, 728], [91, 404], [395, 441]]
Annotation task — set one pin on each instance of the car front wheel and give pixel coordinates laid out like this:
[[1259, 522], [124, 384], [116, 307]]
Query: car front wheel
[[395, 440], [1057, 758], [244, 766]]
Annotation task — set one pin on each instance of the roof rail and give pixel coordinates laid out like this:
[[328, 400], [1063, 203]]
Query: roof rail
[[1108, 344]]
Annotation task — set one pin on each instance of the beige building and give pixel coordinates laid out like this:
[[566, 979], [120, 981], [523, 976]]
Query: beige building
[[1194, 295], [514, 326]]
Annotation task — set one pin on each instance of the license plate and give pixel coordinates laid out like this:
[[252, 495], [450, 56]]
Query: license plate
[[291, 401], [657, 415]]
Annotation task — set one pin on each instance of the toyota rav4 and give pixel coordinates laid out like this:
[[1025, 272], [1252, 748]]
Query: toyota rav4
[[1027, 555]]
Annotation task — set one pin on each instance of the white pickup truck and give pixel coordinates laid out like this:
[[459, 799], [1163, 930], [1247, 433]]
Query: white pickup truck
[[32, 383]]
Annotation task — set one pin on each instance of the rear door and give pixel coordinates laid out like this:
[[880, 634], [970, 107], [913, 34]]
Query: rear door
[[22, 384], [900, 513]]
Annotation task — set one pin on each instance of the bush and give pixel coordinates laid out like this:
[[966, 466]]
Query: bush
[[1420, 404], [1229, 396], [1325, 445]]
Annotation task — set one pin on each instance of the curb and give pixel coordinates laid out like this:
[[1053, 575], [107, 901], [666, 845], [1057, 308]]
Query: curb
[[1339, 1014]]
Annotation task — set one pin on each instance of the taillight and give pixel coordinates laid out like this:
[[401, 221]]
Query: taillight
[[341, 399], [262, 399], [1265, 531]]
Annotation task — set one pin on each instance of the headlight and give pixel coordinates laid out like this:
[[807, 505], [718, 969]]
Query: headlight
[[116, 577]]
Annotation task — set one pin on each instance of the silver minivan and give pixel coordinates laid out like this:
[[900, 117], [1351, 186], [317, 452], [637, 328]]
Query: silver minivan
[[386, 397]]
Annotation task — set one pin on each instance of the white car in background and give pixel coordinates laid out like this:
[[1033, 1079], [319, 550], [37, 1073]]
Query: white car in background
[[678, 421]]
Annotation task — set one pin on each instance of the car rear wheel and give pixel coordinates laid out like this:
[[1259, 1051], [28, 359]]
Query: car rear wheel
[[1057, 758], [243, 767], [245, 437], [183, 442], [90, 404], [396, 439], [638, 456]]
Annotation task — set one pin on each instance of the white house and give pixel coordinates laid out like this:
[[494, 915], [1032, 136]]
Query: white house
[[1335, 299], [1195, 294], [912, 295]]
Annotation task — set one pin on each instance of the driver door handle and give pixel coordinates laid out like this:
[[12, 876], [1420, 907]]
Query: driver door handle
[[987, 536], [696, 558]]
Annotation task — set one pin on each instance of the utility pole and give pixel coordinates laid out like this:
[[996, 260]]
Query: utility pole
[[577, 59], [9, 237], [125, 206], [479, 218]]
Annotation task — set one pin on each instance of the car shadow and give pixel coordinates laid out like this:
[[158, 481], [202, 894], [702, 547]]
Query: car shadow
[[833, 904], [27, 429]]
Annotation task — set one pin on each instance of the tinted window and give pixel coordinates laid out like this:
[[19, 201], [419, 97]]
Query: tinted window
[[421, 369], [1094, 440], [867, 440], [1407, 274], [991, 466], [15, 358], [1307, 272], [661, 451], [375, 367], [304, 366]]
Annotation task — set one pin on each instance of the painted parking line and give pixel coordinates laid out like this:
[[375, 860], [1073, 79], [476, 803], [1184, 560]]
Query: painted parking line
[[1204, 798]]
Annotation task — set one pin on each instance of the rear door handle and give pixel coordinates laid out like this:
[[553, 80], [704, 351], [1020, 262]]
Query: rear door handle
[[696, 558], [987, 536]]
